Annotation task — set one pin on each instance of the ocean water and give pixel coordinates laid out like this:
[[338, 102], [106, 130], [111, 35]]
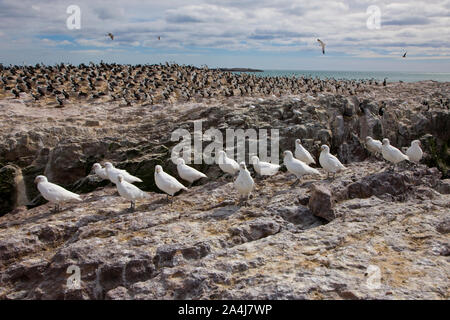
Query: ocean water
[[391, 76]]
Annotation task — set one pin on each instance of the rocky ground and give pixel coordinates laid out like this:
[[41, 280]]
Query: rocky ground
[[312, 241]]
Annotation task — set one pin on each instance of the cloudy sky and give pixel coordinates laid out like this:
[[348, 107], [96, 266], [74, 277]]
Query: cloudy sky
[[268, 34]]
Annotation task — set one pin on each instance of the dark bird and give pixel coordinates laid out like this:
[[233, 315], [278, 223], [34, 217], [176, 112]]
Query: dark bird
[[404, 55], [16, 93], [322, 44], [60, 101], [384, 82], [110, 35], [159, 38]]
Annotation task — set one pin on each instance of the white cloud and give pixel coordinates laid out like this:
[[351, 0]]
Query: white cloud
[[265, 26]]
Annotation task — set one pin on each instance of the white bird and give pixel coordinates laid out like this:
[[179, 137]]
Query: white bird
[[101, 172], [113, 172], [187, 173], [244, 182], [264, 168], [165, 182], [129, 191], [414, 152], [226, 164], [329, 162], [54, 193], [297, 167], [322, 44], [392, 154], [302, 154], [373, 145]]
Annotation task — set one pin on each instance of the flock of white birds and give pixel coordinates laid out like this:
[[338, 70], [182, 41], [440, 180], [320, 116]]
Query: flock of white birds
[[244, 183]]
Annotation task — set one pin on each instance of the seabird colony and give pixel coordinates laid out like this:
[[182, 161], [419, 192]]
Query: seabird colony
[[243, 183], [127, 85]]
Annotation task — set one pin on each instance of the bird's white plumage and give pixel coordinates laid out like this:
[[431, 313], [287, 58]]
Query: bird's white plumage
[[54, 193], [414, 152], [373, 145], [165, 182], [391, 153], [188, 173], [113, 173], [330, 163], [101, 172], [297, 167], [302, 154], [128, 190], [264, 168], [244, 182], [226, 164]]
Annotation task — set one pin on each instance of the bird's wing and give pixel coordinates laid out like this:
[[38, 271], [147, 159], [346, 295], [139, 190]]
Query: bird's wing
[[133, 190], [171, 181], [335, 161], [128, 176], [58, 193]]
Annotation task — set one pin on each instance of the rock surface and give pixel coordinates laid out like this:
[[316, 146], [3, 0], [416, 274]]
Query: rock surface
[[318, 240], [64, 143], [206, 246]]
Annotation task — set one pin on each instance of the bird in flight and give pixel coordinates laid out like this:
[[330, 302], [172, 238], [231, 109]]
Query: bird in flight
[[404, 55], [322, 44], [110, 35]]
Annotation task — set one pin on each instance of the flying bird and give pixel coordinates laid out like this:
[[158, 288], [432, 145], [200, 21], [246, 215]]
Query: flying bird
[[110, 35], [404, 55], [322, 44]]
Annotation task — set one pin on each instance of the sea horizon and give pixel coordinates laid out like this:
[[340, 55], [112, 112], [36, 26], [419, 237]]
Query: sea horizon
[[392, 76]]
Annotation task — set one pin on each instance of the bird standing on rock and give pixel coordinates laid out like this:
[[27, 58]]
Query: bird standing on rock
[[114, 172], [297, 167], [302, 154], [391, 153], [244, 182], [414, 152], [101, 172], [129, 191], [226, 164], [165, 182], [373, 145], [188, 173], [264, 168], [54, 193], [330, 163]]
